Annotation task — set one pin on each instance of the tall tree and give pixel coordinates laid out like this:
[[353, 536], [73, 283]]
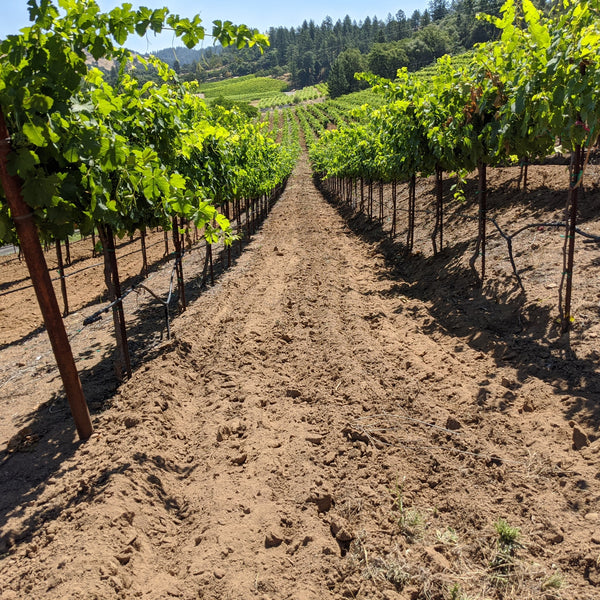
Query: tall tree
[[438, 9]]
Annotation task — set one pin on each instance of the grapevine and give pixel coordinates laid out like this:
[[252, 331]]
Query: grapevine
[[79, 154], [508, 101]]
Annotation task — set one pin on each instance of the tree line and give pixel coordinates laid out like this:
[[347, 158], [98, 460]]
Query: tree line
[[333, 51]]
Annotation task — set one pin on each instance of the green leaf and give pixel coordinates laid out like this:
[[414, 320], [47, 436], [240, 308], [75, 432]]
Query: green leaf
[[115, 155], [98, 48], [155, 184], [38, 190], [39, 103], [519, 103], [157, 19], [178, 181], [558, 95], [23, 162], [71, 154], [539, 32], [5, 229], [222, 221], [35, 134], [121, 23]]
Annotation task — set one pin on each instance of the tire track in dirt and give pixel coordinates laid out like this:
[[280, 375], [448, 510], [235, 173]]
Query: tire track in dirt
[[262, 454]]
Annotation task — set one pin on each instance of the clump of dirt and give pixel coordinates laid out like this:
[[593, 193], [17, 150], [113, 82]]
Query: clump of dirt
[[333, 420]]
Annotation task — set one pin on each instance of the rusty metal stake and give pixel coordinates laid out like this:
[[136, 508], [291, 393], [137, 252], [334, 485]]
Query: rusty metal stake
[[38, 269]]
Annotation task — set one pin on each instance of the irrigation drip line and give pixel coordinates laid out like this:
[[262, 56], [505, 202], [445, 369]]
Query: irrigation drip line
[[97, 315], [26, 287], [166, 302], [591, 236], [93, 318], [64, 276], [9, 260], [12, 259], [508, 238], [202, 244]]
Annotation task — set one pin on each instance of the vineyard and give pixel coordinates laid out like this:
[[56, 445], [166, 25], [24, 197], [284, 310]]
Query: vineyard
[[244, 89], [346, 350]]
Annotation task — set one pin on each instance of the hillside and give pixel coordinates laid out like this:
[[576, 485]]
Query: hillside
[[310, 52]]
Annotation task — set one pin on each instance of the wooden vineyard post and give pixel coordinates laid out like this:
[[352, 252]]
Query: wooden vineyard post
[[412, 201], [67, 252], [439, 210], [482, 172], [569, 254], [441, 206], [247, 209], [228, 216], [212, 269], [111, 277], [61, 273], [250, 205], [394, 206], [188, 237], [179, 264], [381, 202], [144, 254], [166, 243], [481, 236], [362, 195], [239, 223], [36, 263]]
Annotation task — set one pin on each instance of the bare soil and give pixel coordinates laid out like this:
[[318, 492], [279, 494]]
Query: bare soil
[[334, 419]]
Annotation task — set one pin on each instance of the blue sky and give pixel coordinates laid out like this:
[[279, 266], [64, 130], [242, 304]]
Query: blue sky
[[260, 14]]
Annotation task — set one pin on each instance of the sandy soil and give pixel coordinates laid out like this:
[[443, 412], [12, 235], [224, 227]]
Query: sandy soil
[[333, 420], [28, 372]]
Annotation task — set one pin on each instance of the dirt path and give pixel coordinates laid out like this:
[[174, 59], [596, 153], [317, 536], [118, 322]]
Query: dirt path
[[304, 438]]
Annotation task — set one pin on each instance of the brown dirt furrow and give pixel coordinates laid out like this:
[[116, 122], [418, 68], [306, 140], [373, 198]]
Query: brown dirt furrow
[[305, 436]]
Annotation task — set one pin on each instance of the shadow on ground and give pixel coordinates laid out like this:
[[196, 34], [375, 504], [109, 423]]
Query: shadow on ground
[[497, 319]]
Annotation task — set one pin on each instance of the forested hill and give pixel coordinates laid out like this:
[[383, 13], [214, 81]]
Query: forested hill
[[311, 52]]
